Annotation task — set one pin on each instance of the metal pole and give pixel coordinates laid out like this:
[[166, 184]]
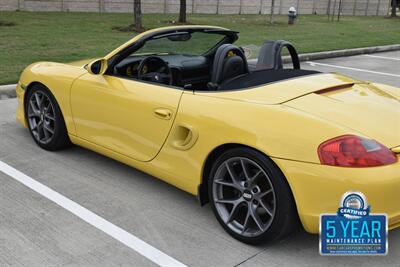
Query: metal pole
[[261, 2], [313, 7], [193, 6], [217, 6], [280, 7], [271, 15], [354, 7], [298, 6], [366, 10], [378, 7], [21, 5], [328, 10], [328, 7], [334, 7], [240, 6], [165, 6]]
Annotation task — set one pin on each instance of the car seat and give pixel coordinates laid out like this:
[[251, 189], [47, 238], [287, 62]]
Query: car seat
[[229, 62], [270, 56]]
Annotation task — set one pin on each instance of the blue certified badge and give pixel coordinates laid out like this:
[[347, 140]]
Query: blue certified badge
[[353, 230]]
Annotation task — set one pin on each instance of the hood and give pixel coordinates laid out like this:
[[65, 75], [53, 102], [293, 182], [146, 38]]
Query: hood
[[365, 108]]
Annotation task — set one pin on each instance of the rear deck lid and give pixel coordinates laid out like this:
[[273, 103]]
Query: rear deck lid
[[362, 107], [282, 91]]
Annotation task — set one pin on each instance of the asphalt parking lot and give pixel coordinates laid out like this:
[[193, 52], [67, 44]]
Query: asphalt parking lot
[[36, 231]]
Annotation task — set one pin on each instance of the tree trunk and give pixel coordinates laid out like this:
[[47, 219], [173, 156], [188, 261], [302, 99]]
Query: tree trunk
[[394, 7], [182, 12], [271, 16], [340, 10], [137, 13]]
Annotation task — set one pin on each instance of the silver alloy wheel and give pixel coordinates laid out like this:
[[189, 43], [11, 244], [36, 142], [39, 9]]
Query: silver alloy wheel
[[41, 117], [244, 196]]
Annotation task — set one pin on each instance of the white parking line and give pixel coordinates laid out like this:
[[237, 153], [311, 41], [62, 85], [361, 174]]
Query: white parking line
[[349, 68], [381, 57], [100, 223]]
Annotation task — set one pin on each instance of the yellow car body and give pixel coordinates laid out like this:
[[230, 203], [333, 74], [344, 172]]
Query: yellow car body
[[173, 133]]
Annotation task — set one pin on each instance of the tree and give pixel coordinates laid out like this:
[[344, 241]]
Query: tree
[[182, 12], [271, 16], [394, 7], [137, 14]]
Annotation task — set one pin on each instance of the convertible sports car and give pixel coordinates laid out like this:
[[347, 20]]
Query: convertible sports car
[[267, 147]]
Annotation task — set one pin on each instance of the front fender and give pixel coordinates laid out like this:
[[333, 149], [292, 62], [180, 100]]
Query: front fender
[[58, 78]]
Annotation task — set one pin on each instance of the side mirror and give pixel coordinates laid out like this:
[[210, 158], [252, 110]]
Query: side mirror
[[97, 67]]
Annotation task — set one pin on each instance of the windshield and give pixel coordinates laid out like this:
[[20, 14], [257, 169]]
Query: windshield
[[195, 43]]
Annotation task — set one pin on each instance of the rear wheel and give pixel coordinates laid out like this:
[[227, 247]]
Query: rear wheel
[[45, 121], [250, 197]]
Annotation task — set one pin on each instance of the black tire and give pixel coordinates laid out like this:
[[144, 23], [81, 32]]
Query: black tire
[[59, 139], [285, 218]]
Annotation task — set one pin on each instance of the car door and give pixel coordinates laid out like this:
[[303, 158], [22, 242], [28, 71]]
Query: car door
[[127, 116]]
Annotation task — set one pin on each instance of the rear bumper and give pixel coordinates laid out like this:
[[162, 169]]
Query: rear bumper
[[318, 189]]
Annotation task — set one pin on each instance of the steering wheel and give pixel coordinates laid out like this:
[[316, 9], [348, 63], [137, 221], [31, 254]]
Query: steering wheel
[[155, 69]]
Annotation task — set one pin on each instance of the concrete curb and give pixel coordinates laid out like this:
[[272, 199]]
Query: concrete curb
[[348, 52], [7, 91], [340, 53]]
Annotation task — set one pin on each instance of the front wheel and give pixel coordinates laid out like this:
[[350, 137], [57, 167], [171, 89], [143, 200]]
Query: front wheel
[[45, 120], [250, 197]]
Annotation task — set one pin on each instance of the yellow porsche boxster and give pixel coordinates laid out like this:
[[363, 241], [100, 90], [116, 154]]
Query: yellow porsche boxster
[[268, 147]]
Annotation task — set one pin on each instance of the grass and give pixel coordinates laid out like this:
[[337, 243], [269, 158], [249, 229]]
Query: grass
[[26, 37]]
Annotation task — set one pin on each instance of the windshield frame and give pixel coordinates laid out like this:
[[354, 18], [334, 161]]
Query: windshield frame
[[230, 37], [164, 37]]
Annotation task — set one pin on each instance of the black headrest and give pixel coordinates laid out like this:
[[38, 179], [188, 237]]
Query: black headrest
[[223, 52], [233, 67], [270, 56]]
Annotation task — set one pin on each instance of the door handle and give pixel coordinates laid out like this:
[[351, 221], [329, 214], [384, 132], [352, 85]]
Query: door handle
[[163, 113]]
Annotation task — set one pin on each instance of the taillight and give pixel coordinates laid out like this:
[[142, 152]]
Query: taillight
[[354, 151]]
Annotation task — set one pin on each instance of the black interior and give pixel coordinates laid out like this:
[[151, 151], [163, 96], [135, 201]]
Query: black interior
[[187, 70], [222, 68], [154, 69]]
